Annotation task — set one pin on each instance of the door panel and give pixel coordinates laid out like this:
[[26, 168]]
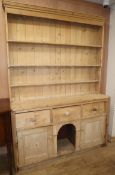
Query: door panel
[[32, 146], [92, 132]]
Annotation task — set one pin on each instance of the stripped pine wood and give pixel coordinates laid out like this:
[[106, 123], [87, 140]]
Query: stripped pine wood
[[63, 33], [64, 55], [55, 69], [23, 57]]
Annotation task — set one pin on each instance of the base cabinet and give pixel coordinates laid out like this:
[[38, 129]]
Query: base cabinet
[[32, 146], [93, 131], [44, 134]]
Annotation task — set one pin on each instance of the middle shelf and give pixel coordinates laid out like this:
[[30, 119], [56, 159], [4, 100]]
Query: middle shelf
[[55, 43], [25, 66], [54, 83]]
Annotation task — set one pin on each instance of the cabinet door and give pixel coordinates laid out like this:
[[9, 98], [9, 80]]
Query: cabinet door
[[32, 146], [92, 132]]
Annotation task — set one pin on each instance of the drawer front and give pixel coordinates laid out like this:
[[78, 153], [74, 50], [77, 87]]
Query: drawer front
[[32, 119], [93, 109], [66, 114]]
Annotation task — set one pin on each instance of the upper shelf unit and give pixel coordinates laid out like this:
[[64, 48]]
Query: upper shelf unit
[[50, 58]]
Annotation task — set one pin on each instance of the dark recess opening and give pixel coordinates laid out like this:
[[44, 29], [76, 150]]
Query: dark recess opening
[[66, 139]]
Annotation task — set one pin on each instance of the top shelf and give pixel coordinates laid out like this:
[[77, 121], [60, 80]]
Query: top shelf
[[51, 43]]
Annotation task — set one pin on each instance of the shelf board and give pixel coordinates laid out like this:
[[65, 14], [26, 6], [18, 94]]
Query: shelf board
[[55, 83], [51, 43], [25, 66]]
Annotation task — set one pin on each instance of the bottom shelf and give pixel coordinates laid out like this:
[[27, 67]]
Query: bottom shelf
[[64, 146]]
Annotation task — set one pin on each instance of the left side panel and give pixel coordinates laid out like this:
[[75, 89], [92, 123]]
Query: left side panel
[[3, 56]]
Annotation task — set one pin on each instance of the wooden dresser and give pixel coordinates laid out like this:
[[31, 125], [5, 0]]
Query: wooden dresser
[[55, 60]]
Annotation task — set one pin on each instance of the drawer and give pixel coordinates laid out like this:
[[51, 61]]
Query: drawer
[[66, 114], [93, 109], [32, 119]]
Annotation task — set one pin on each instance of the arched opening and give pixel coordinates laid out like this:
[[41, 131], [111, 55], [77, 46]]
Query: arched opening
[[66, 139]]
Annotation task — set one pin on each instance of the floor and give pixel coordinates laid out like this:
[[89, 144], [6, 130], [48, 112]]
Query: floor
[[3, 161], [99, 161]]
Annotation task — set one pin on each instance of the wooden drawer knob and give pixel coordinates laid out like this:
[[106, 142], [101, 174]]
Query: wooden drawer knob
[[67, 113]]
